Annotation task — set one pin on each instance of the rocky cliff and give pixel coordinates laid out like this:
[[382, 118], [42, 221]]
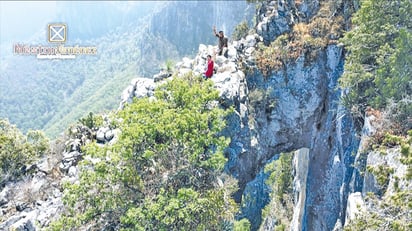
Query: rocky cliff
[[294, 110]]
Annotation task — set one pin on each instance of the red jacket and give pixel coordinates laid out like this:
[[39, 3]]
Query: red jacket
[[209, 71]]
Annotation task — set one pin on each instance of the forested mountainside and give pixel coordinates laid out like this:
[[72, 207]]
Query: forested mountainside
[[306, 125], [135, 41]]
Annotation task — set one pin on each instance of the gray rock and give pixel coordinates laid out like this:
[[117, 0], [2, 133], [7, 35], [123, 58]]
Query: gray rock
[[228, 67], [72, 172], [127, 93], [74, 144], [390, 161], [251, 40], [21, 206], [115, 133], [255, 198], [4, 196], [140, 87], [64, 165], [249, 51], [46, 164], [187, 63], [228, 85], [232, 53], [301, 169], [184, 71], [10, 221], [100, 134], [220, 60], [251, 61], [355, 206], [109, 135], [161, 76], [69, 156]]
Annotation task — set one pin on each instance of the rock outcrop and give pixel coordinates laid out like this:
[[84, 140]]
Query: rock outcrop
[[296, 108], [33, 202], [288, 110]]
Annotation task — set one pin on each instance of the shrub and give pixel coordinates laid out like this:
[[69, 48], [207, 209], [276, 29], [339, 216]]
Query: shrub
[[18, 150], [91, 121], [241, 31], [306, 39], [165, 170], [390, 213], [242, 225], [280, 180], [378, 64]]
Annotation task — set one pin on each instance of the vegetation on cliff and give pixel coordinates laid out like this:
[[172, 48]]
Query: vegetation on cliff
[[18, 150], [378, 79], [378, 67], [305, 39], [165, 170]]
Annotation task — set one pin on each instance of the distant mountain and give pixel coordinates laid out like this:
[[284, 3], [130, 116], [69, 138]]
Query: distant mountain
[[92, 20], [188, 23], [133, 39]]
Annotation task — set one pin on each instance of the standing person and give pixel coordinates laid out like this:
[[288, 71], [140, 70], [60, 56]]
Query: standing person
[[209, 71], [222, 42]]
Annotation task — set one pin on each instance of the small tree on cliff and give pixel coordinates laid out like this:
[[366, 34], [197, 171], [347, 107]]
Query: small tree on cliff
[[165, 170]]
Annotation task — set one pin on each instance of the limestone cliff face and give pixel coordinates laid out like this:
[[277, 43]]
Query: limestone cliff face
[[278, 17], [292, 108], [296, 108], [299, 108]]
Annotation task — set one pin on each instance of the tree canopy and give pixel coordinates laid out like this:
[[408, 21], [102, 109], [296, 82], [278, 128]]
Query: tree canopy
[[378, 66], [165, 170], [18, 150]]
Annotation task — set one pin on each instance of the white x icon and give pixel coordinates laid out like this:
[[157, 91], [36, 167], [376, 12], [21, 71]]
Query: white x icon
[[57, 33]]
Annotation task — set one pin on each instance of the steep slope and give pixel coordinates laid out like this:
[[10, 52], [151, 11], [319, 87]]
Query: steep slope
[[300, 161], [133, 39]]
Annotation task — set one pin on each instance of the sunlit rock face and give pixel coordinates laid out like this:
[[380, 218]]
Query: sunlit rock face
[[294, 108], [297, 107]]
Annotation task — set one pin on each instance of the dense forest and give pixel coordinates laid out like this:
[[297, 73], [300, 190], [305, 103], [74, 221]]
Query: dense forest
[[136, 42], [50, 95], [166, 169]]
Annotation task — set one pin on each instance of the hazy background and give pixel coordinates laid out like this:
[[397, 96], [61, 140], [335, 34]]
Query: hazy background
[[134, 39], [24, 21]]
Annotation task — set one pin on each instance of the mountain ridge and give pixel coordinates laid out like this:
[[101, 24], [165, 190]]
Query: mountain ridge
[[132, 50], [299, 158]]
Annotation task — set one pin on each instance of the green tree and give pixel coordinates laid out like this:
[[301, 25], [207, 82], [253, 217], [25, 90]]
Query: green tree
[[165, 170], [378, 62], [280, 208], [242, 225], [91, 121], [241, 30], [18, 150]]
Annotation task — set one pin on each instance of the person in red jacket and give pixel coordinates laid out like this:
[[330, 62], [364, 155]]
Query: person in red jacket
[[209, 71]]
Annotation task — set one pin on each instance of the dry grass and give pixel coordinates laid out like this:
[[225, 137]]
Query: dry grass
[[307, 39]]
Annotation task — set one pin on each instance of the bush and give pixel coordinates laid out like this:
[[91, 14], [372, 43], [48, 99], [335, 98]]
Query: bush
[[18, 150], [280, 180], [241, 31], [165, 170], [378, 66], [242, 225], [306, 39], [91, 121]]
